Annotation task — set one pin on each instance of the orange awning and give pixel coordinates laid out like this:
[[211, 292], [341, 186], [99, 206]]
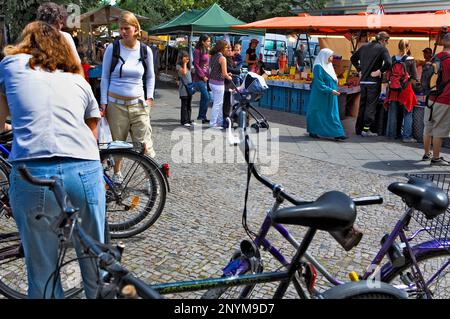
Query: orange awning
[[414, 24]]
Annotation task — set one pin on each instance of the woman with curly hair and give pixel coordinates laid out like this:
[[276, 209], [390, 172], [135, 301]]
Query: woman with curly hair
[[54, 116], [56, 15]]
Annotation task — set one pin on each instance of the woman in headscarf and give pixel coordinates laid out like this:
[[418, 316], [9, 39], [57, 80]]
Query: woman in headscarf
[[323, 111]]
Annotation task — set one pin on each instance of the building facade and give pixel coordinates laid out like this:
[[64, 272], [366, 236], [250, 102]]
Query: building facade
[[338, 7]]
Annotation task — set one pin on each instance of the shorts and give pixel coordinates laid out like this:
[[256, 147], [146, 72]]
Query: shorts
[[439, 126], [135, 119]]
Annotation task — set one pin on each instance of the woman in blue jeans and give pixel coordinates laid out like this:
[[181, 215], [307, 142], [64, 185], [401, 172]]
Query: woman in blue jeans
[[200, 76], [54, 116]]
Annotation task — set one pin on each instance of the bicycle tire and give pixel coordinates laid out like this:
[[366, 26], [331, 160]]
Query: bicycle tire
[[13, 273], [435, 258], [233, 292], [13, 280], [373, 295], [135, 204]]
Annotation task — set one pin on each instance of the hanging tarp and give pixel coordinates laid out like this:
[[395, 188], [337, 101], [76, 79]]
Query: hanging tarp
[[404, 24], [105, 15], [212, 20]]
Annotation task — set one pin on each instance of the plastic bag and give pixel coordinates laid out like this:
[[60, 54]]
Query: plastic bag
[[104, 133]]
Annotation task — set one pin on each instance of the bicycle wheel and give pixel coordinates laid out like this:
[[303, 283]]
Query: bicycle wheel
[[135, 203], [429, 264]]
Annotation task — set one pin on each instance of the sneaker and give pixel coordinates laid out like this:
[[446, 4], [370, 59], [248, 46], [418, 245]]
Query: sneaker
[[205, 121], [368, 134], [341, 138], [187, 124], [439, 162], [117, 179], [427, 157], [409, 140], [193, 123]]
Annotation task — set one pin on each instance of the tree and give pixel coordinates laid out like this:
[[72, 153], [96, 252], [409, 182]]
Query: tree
[[253, 10], [19, 13]]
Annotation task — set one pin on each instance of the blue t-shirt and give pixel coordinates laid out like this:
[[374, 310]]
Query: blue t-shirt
[[48, 111]]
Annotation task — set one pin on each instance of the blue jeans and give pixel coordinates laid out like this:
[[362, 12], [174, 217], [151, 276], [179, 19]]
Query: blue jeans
[[35, 209], [204, 99], [394, 128]]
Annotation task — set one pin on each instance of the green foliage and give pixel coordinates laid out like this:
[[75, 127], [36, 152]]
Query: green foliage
[[253, 10], [20, 12]]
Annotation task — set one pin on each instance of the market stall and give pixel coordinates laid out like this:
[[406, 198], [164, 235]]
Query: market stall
[[289, 91]]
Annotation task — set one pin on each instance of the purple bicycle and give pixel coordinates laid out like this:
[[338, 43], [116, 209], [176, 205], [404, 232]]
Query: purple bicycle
[[421, 270]]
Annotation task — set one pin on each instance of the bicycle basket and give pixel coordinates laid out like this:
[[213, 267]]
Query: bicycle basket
[[438, 227], [252, 88]]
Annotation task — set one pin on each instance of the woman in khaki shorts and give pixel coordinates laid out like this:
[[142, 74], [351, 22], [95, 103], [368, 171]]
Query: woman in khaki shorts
[[122, 89]]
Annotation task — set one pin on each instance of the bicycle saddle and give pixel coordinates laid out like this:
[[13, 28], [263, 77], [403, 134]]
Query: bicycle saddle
[[331, 211], [422, 195]]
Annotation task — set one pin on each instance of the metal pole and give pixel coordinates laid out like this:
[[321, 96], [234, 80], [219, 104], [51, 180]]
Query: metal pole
[[309, 51], [354, 46], [295, 48], [167, 54]]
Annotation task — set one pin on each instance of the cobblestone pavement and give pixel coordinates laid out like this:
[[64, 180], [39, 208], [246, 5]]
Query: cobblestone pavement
[[200, 226]]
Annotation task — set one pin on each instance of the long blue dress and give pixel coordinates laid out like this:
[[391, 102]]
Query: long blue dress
[[322, 117]]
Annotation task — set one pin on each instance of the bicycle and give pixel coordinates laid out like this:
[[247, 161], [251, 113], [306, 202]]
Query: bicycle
[[247, 259], [134, 204], [121, 199], [119, 282]]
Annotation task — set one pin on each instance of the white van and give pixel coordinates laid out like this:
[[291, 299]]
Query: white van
[[268, 48], [271, 48]]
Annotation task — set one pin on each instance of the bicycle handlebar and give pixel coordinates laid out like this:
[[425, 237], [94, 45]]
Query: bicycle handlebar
[[246, 146], [26, 175], [108, 261]]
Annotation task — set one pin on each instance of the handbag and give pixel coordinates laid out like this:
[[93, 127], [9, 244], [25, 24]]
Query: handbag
[[190, 87]]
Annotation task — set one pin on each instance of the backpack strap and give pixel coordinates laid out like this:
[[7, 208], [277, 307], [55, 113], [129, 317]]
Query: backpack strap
[[143, 59], [116, 57]]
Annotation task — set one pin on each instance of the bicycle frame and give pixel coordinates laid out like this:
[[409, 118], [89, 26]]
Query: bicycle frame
[[374, 267], [399, 231]]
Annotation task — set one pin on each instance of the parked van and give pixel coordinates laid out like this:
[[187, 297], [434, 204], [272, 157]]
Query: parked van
[[271, 48]]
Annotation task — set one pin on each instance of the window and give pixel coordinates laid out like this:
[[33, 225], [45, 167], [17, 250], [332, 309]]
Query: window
[[274, 45], [269, 45]]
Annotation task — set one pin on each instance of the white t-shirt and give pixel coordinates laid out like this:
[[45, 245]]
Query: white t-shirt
[[130, 83], [48, 111], [69, 39]]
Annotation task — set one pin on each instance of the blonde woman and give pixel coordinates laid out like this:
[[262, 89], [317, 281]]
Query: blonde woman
[[127, 87]]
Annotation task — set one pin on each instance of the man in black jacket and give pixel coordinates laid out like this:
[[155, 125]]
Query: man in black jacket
[[371, 60]]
